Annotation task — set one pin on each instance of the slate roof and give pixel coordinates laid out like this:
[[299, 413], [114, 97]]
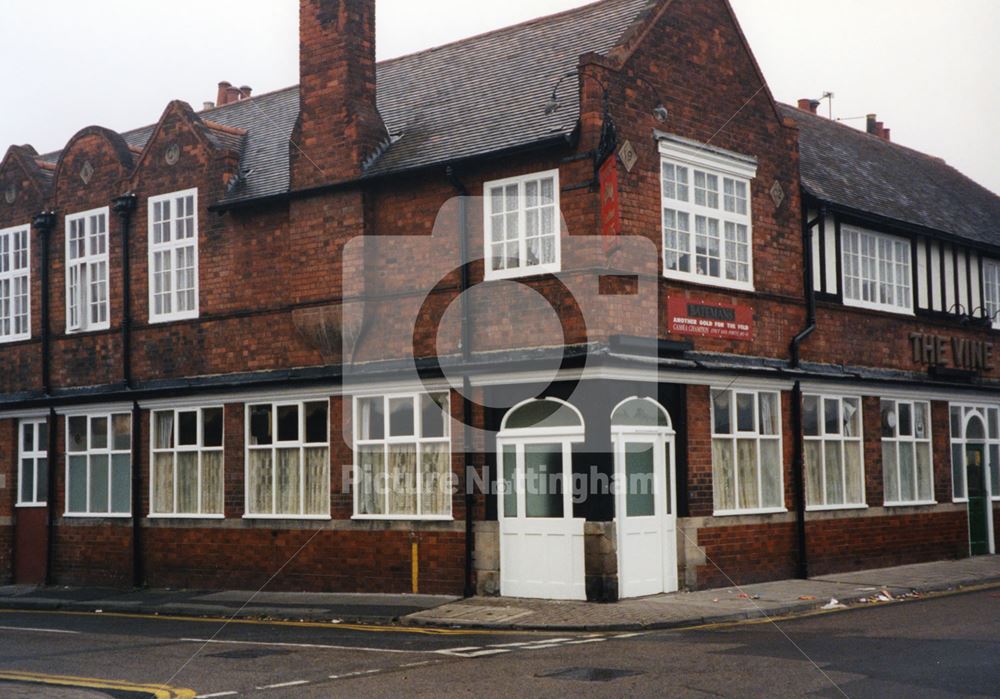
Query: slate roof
[[476, 96], [842, 165]]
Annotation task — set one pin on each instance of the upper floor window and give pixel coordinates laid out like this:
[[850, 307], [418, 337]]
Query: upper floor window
[[33, 474], [907, 472], [15, 277], [877, 272], [87, 271], [402, 456], [99, 464], [288, 460], [991, 290], [746, 452], [522, 225], [173, 256], [707, 231]]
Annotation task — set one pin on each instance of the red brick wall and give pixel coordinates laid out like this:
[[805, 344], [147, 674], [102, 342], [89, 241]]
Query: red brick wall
[[746, 554]]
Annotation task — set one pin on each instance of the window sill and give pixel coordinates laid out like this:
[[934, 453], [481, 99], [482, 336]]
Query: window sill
[[915, 503], [832, 508], [180, 515], [759, 511], [30, 505], [97, 515], [162, 320], [8, 339], [895, 310], [93, 329], [413, 518], [519, 272], [700, 280], [289, 517]]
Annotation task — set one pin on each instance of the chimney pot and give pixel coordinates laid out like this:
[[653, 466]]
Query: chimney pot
[[808, 105], [232, 94], [870, 124], [245, 91], [224, 86], [207, 105], [885, 134]]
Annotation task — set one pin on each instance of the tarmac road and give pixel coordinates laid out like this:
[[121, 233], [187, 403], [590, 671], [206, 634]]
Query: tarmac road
[[943, 646]]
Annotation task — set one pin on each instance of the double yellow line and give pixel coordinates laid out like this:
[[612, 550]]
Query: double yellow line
[[158, 691]]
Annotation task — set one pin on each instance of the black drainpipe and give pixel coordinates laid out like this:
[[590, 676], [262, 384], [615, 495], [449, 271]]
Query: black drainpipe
[[45, 222], [463, 246], [798, 461], [124, 206]]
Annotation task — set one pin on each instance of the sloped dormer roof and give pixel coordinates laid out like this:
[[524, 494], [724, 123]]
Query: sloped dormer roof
[[844, 166]]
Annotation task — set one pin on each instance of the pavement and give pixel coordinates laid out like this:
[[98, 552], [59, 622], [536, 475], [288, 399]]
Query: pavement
[[674, 610]]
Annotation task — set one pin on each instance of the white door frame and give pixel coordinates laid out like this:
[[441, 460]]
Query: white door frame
[[664, 440]]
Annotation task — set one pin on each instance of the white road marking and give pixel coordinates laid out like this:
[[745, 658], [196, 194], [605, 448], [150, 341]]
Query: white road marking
[[418, 664], [216, 694], [306, 645], [279, 685], [585, 640], [355, 674], [29, 628]]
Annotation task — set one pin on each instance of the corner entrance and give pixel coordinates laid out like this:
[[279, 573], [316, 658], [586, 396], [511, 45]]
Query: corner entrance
[[645, 501], [541, 542], [979, 501]]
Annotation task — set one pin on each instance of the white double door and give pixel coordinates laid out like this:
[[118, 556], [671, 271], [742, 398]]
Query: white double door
[[645, 507]]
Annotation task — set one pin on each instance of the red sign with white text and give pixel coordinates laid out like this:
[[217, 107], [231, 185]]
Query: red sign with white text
[[693, 317], [611, 217]]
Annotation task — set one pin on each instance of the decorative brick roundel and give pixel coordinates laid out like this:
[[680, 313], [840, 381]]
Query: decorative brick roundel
[[86, 172], [10, 194], [777, 194], [172, 154]]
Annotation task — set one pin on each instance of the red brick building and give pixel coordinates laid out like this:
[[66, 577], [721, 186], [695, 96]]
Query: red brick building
[[570, 309]]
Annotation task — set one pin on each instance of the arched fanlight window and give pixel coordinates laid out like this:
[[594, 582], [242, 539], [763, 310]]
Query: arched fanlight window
[[975, 430], [548, 414], [640, 412]]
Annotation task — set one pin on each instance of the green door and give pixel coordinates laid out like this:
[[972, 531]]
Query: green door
[[979, 542]]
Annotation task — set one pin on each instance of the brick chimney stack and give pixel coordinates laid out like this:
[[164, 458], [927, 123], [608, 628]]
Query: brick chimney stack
[[876, 128], [808, 105], [339, 126]]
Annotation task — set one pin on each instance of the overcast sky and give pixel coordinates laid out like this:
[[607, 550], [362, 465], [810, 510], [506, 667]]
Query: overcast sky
[[927, 68]]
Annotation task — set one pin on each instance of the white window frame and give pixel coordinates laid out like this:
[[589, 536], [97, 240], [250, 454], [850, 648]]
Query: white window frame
[[822, 438], [10, 277], [171, 248], [991, 290], [522, 270], [39, 451], [89, 452], [85, 265], [878, 263], [722, 165], [734, 435], [990, 415], [198, 448], [907, 439], [274, 446], [387, 441]]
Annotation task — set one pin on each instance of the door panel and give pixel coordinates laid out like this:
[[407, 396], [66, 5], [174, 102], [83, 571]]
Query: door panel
[[975, 479], [30, 545]]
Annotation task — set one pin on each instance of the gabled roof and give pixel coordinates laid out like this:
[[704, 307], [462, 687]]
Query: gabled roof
[[469, 98], [841, 165]]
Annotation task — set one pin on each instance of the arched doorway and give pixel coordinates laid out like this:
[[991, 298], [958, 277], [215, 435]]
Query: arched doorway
[[978, 499], [645, 497], [541, 543]]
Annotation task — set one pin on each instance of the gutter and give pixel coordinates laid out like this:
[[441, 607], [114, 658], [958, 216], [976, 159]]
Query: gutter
[[466, 339]]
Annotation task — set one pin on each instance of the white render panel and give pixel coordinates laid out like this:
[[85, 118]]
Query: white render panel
[[934, 260], [923, 293], [832, 282], [949, 280]]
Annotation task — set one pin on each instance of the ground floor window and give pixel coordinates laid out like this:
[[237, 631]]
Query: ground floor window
[[402, 456], [33, 471], [288, 460], [746, 451], [831, 427], [907, 472], [99, 464], [187, 477], [974, 425]]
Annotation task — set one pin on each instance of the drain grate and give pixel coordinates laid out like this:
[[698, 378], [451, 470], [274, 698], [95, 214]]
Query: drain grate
[[589, 674], [249, 653]]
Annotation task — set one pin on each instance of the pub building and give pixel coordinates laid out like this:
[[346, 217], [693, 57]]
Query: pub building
[[341, 331]]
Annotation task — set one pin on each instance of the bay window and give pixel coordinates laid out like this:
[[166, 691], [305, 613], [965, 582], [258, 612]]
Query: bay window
[[402, 456], [706, 215]]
